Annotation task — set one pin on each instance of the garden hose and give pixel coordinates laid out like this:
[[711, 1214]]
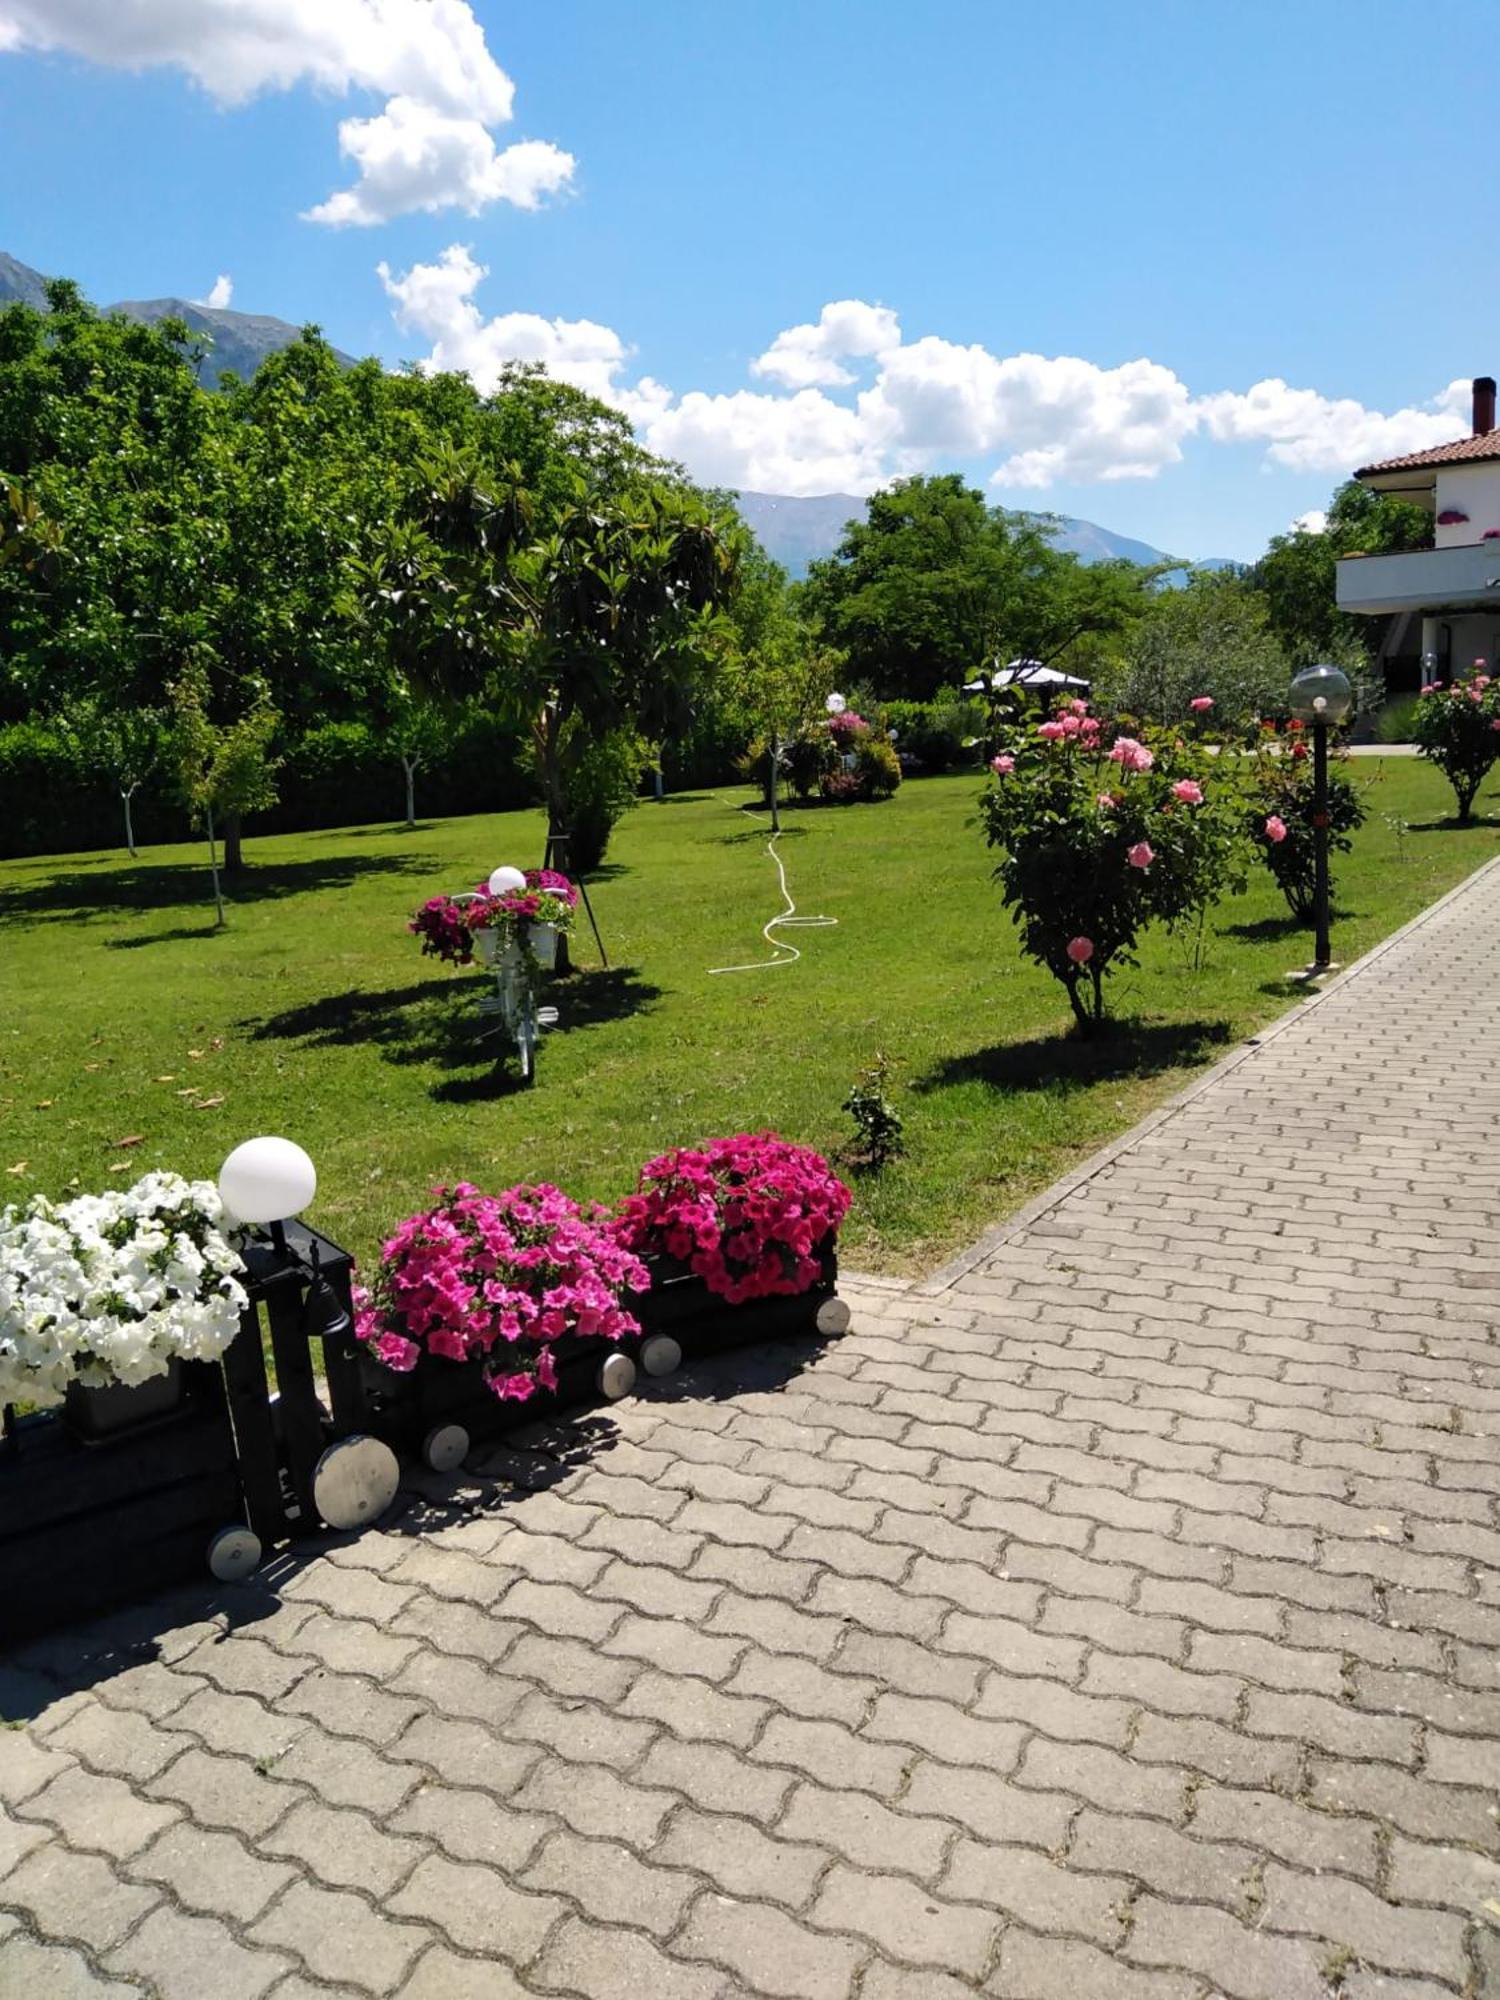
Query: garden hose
[[787, 919]]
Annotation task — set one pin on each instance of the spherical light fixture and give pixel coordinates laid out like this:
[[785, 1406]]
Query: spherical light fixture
[[835, 704], [267, 1180], [1321, 694], [503, 880]]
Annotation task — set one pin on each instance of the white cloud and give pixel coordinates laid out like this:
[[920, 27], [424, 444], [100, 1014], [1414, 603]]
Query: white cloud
[[809, 357], [220, 293], [1308, 432], [430, 148], [1313, 522], [1042, 419]]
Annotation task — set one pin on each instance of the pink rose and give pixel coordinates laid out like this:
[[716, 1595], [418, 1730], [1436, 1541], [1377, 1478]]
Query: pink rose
[[1481, 680], [1141, 855], [1201, 703], [1080, 950], [1050, 731], [1105, 802], [1276, 827], [1190, 792], [1002, 766], [1129, 754], [1071, 725], [1496, 723]]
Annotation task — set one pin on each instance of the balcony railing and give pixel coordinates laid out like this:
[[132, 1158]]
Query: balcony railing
[[1464, 578]]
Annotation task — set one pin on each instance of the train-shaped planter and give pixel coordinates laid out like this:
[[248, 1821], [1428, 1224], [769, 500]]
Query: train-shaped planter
[[441, 1409]]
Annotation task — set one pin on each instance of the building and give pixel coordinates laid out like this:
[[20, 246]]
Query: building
[[1443, 603]]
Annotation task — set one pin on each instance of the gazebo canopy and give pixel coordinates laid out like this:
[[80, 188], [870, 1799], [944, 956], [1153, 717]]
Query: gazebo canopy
[[1024, 674]]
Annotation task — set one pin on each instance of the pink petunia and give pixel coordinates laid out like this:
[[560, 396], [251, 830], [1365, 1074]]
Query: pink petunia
[[1002, 766], [1276, 828], [1141, 855], [1201, 703], [1189, 791], [1080, 950]]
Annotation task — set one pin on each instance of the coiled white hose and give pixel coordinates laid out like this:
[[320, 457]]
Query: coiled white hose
[[784, 952]]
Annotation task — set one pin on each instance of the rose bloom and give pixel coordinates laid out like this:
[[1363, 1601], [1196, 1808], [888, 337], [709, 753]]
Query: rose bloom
[[1201, 703], [1276, 827], [1141, 855], [1189, 791], [1050, 731], [1299, 751], [1106, 802], [1081, 950], [1002, 766]]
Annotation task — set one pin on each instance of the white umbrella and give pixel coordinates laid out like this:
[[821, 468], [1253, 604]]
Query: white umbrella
[[1028, 673]]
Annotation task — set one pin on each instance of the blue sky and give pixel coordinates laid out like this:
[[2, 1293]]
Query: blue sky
[[1285, 195]]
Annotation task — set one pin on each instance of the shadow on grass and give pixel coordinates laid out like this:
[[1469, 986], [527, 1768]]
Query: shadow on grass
[[174, 936], [1480, 823], [172, 885], [1064, 1062], [438, 1023]]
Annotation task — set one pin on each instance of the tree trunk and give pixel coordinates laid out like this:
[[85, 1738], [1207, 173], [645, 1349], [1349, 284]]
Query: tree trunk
[[213, 862], [234, 860], [129, 829], [411, 790], [775, 763]]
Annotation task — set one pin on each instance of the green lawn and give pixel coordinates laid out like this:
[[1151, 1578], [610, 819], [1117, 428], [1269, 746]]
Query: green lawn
[[123, 1015]]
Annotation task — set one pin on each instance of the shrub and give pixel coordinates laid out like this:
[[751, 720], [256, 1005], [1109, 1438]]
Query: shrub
[[1280, 820], [877, 1122], [601, 782], [1458, 729], [940, 735], [839, 788], [876, 766], [1397, 721], [1100, 834]]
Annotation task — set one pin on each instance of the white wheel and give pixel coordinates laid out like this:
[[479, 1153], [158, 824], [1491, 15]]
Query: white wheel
[[833, 1316], [234, 1553], [616, 1377], [446, 1448], [660, 1355], [355, 1481]]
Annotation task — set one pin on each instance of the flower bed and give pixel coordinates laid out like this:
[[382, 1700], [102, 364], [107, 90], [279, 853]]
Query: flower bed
[[453, 928]]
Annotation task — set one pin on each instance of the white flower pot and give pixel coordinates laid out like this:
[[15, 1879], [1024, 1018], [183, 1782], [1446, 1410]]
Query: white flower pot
[[544, 944], [487, 944]]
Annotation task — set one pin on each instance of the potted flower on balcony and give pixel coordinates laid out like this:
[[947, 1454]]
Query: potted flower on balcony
[[104, 1297], [481, 1304], [740, 1237]]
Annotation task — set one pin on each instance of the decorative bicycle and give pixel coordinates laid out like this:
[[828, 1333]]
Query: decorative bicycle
[[514, 1000]]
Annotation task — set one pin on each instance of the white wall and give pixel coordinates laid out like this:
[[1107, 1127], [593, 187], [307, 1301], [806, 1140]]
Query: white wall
[[1475, 490]]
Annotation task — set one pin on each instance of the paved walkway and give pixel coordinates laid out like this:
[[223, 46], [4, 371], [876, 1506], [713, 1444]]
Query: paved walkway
[[1113, 1618]]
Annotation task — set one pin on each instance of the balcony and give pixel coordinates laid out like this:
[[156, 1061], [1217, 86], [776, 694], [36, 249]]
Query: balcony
[[1456, 579]]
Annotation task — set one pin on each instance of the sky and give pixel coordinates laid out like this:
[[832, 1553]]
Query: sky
[[1174, 268]]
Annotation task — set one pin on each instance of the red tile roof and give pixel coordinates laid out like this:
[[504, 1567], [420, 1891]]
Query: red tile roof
[[1485, 445]]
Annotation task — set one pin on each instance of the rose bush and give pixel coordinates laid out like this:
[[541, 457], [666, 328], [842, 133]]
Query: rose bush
[[1101, 833], [1279, 818], [747, 1215], [1457, 728], [498, 1279]]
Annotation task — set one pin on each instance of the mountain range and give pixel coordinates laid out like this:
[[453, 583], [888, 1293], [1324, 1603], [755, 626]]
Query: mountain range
[[240, 341], [795, 532]]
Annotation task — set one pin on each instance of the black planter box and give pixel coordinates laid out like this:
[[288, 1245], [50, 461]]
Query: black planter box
[[680, 1303], [87, 1526], [404, 1409]]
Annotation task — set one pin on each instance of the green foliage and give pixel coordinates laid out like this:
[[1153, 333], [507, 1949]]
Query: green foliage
[[878, 1125], [1296, 574], [877, 768], [601, 782], [934, 585], [1097, 842], [1211, 637], [223, 770], [1280, 792], [1397, 721], [941, 735], [1457, 728]]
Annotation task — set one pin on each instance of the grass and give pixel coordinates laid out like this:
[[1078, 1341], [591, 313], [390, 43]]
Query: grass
[[124, 1017]]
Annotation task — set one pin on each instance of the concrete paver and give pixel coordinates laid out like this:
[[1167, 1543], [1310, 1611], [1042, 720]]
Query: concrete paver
[[1112, 1616]]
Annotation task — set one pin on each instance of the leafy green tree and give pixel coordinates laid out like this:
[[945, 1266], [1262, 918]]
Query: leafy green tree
[[934, 585], [777, 678], [223, 771], [1296, 574], [417, 734], [123, 744], [1211, 638]]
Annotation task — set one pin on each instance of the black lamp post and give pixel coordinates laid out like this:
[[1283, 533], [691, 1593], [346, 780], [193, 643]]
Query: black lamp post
[[1322, 697]]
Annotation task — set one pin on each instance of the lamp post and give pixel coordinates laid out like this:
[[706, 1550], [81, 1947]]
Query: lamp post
[[1322, 697]]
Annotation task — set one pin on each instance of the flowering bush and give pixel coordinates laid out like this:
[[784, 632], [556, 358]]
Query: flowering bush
[[113, 1287], [1458, 729], [446, 927], [845, 727], [1101, 833], [746, 1214], [1281, 824], [874, 769], [498, 1279]]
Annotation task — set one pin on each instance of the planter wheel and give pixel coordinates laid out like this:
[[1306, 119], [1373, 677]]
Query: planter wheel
[[660, 1355], [446, 1447], [833, 1316], [234, 1553], [616, 1377], [355, 1481]]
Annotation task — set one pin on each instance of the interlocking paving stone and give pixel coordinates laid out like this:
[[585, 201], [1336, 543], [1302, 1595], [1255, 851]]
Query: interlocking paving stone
[[1114, 1616]]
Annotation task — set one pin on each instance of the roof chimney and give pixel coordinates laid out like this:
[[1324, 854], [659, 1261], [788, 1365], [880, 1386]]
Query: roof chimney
[[1484, 404]]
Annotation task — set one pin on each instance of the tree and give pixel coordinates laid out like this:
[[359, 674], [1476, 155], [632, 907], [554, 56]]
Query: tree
[[123, 744], [417, 735], [777, 674], [223, 771], [1296, 574], [934, 585], [1212, 637]]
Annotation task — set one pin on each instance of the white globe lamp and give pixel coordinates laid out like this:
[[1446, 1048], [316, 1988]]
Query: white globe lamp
[[265, 1181], [835, 704], [503, 880]]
